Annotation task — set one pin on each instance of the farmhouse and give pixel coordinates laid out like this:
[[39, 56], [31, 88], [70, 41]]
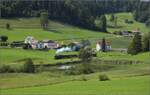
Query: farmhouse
[[35, 44], [99, 46], [50, 44]]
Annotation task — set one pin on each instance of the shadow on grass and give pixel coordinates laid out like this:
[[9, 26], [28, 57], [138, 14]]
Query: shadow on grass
[[54, 30]]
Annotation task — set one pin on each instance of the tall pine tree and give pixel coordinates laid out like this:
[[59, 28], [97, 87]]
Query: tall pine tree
[[136, 45], [103, 23], [44, 20], [146, 42], [103, 45]]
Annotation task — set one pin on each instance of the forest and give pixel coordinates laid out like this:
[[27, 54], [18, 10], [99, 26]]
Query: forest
[[81, 13]]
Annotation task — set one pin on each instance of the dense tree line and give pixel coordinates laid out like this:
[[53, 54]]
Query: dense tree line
[[142, 11], [77, 12], [139, 44]]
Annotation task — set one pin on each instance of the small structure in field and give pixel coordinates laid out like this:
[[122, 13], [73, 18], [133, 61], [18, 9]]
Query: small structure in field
[[99, 46], [49, 44], [44, 44], [64, 49]]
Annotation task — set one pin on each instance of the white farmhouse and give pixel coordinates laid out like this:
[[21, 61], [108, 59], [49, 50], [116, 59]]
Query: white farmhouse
[[99, 46], [50, 44]]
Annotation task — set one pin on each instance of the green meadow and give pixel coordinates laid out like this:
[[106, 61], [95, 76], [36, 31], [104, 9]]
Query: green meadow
[[125, 79]]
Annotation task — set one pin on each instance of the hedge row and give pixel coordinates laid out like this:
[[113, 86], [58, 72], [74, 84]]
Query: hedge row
[[69, 56]]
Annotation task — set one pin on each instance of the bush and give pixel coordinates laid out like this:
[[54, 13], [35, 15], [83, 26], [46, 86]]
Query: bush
[[4, 44], [147, 23], [85, 43], [7, 26], [103, 77], [85, 54], [128, 21], [17, 44], [6, 69], [29, 66], [3, 38], [84, 68], [65, 56], [83, 78]]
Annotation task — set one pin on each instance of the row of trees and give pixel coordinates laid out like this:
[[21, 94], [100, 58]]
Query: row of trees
[[139, 44], [142, 11], [77, 12]]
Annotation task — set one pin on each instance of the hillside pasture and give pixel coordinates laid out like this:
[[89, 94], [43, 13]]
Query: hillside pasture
[[125, 80], [122, 26]]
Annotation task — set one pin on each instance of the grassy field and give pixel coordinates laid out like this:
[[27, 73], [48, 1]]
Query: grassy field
[[16, 56], [125, 80], [124, 26], [129, 86], [124, 56]]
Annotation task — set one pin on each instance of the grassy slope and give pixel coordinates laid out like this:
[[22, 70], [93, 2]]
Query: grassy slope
[[23, 27], [124, 26], [56, 31], [124, 56], [131, 86], [14, 56], [125, 80]]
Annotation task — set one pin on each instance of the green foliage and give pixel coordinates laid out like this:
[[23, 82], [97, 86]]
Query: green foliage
[[85, 43], [136, 45], [83, 78], [7, 26], [84, 68], [103, 45], [103, 23], [116, 22], [141, 12], [44, 20], [5, 69], [148, 23], [103, 77], [29, 66], [3, 38], [85, 54], [112, 17], [146, 42]]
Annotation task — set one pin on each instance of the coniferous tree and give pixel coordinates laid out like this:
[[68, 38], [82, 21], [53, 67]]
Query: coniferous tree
[[85, 54], [44, 20], [116, 21], [112, 17], [103, 23], [103, 45], [136, 45], [29, 66], [146, 42], [148, 23]]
